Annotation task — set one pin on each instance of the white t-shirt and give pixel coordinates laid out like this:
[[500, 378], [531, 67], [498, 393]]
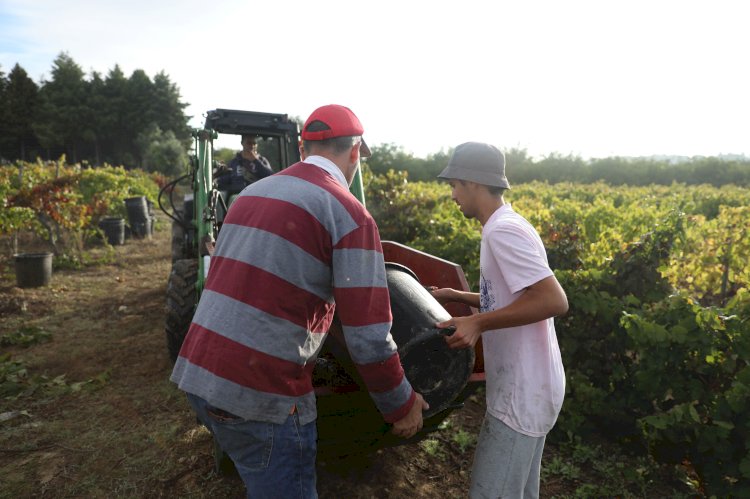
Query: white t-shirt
[[523, 366]]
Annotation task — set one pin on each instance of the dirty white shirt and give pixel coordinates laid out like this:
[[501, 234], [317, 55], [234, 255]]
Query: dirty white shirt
[[523, 366]]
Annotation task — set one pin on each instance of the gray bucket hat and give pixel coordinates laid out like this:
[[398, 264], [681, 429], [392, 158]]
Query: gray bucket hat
[[477, 162]]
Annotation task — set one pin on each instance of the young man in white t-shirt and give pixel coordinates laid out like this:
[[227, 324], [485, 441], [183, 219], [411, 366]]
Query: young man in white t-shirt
[[519, 296]]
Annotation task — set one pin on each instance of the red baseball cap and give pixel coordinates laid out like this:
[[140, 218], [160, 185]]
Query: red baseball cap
[[334, 121]]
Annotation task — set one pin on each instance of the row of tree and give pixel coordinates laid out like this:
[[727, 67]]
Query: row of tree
[[132, 121], [555, 168], [716, 171]]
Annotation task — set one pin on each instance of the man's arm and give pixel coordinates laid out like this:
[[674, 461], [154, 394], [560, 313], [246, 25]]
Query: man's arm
[[223, 175], [538, 302], [262, 165], [410, 424], [448, 295], [363, 307]]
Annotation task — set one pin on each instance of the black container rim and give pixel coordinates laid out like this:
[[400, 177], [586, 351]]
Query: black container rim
[[402, 268], [32, 255]]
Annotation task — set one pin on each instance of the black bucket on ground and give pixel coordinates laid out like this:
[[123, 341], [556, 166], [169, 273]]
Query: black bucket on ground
[[33, 269], [114, 230], [139, 219], [142, 229]]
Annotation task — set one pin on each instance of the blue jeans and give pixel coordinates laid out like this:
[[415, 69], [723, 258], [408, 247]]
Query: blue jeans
[[274, 460]]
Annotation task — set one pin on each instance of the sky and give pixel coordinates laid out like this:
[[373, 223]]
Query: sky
[[584, 78]]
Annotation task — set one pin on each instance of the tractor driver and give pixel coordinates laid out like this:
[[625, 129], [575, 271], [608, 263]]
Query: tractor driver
[[245, 168]]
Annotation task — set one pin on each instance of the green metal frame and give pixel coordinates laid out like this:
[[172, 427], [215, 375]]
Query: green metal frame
[[203, 216], [357, 188]]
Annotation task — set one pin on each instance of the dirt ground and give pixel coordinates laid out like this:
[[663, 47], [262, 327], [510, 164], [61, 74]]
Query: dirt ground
[[97, 416]]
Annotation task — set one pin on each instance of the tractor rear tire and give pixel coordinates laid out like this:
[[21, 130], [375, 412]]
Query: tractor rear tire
[[181, 301], [178, 238]]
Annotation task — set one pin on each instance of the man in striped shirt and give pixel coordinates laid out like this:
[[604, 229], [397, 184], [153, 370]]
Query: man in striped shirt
[[293, 248]]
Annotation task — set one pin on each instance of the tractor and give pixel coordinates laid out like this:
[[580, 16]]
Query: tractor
[[348, 421]]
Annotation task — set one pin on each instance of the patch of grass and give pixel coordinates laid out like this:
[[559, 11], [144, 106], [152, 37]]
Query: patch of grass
[[603, 471], [13, 376], [464, 439], [562, 468], [61, 386], [432, 447], [17, 382], [91, 258], [456, 434], [25, 336]]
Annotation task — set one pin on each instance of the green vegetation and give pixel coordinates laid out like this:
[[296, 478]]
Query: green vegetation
[[132, 121], [17, 381], [556, 168], [630, 171], [617, 475], [464, 439], [657, 340], [63, 204], [25, 336], [432, 447]]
